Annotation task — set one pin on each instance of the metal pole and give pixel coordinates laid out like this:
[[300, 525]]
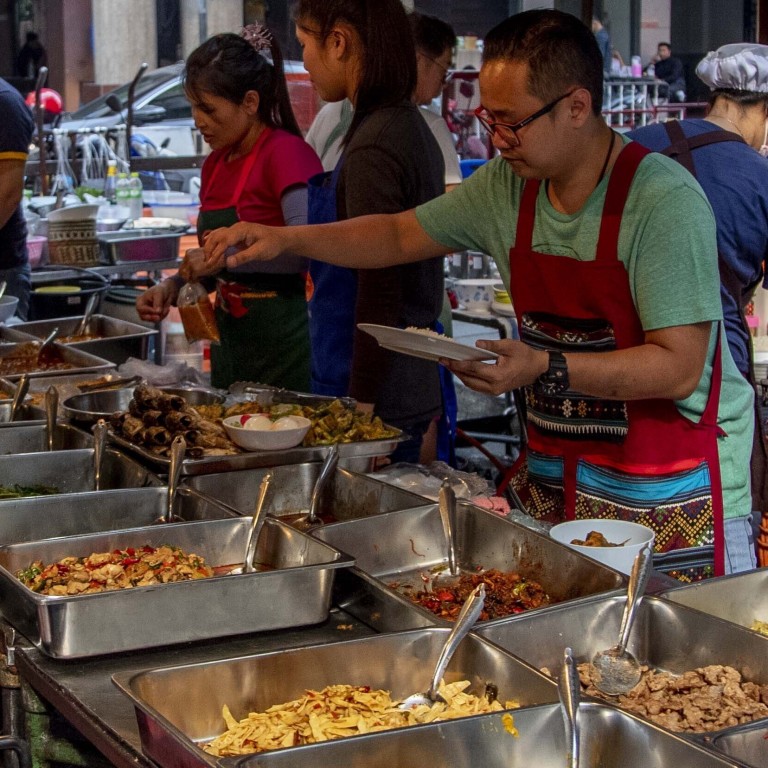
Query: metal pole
[[129, 118], [40, 120], [202, 7]]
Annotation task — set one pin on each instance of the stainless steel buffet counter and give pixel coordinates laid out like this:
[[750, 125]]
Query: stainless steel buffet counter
[[83, 692]]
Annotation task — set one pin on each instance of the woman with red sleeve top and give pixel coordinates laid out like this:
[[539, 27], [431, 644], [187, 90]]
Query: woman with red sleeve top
[[257, 172]]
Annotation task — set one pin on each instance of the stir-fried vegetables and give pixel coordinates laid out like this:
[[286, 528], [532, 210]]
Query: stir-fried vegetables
[[23, 491]]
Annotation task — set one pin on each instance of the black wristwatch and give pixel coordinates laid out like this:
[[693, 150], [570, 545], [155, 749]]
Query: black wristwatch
[[555, 379]]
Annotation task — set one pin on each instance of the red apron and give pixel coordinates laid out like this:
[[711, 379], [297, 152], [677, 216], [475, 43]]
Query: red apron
[[588, 457]]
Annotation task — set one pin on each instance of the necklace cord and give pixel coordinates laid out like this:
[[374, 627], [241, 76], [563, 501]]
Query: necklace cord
[[607, 158]]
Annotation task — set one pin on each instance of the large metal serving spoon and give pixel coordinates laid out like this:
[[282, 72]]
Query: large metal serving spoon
[[446, 502], [51, 416], [178, 451], [43, 349], [99, 445], [312, 518], [22, 387], [465, 621], [569, 691], [85, 319], [259, 518], [616, 669]]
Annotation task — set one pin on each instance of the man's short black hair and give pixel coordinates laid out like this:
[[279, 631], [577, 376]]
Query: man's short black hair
[[560, 50]]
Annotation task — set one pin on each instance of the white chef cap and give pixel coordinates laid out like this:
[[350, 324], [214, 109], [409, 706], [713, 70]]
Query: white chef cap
[[738, 66]]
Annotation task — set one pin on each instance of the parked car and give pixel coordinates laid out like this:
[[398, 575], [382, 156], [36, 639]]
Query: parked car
[[162, 113]]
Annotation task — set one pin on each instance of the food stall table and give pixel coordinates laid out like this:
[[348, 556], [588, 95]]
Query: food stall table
[[83, 693]]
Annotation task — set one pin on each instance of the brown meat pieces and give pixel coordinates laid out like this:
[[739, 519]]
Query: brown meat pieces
[[703, 699]]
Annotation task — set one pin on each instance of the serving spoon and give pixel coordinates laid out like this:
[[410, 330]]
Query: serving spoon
[[259, 518], [617, 671], [51, 415], [569, 692], [44, 349], [178, 451], [22, 387], [85, 319], [468, 615], [312, 519]]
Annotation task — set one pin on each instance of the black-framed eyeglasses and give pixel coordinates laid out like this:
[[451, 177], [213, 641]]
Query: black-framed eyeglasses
[[447, 74], [508, 131]]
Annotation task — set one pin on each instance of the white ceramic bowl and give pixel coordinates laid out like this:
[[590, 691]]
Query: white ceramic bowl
[[264, 439], [74, 213], [615, 531], [8, 306], [476, 294]]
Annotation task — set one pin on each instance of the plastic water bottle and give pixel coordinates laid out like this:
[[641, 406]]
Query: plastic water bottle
[[123, 191], [110, 182], [651, 70], [636, 66], [136, 189]]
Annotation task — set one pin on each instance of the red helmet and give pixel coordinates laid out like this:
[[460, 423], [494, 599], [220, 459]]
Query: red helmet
[[50, 100]]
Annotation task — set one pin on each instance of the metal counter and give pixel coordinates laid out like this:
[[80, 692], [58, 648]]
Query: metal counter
[[43, 274], [83, 692]]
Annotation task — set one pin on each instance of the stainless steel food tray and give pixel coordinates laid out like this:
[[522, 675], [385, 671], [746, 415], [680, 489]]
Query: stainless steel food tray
[[180, 707], [401, 546], [350, 455], [139, 245], [741, 597], [120, 340], [72, 471], [27, 413], [82, 362], [47, 517], [748, 744], [610, 738], [349, 495], [20, 437], [297, 591], [666, 636]]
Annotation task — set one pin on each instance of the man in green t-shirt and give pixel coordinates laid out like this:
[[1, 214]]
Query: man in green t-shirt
[[635, 408]]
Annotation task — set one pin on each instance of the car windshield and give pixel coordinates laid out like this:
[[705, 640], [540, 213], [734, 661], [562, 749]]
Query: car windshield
[[147, 84]]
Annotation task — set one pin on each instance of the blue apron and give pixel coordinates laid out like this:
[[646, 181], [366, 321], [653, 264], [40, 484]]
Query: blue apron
[[332, 303]]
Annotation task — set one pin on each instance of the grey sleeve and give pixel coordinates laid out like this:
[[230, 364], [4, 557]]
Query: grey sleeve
[[294, 205]]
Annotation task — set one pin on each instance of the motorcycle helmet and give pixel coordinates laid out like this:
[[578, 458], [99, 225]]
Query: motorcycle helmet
[[50, 101]]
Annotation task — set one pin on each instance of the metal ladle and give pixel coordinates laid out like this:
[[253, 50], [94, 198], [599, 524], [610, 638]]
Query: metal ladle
[[85, 319], [312, 519], [446, 502], [99, 444], [47, 341], [469, 614], [259, 518], [569, 691], [22, 387], [178, 450], [616, 669], [51, 414]]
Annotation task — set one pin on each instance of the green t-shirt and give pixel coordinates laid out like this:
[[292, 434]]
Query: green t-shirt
[[667, 244]]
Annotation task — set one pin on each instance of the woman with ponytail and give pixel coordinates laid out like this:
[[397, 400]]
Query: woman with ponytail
[[363, 50], [257, 172]]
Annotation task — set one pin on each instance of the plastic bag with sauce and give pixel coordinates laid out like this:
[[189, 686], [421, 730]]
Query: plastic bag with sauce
[[196, 313]]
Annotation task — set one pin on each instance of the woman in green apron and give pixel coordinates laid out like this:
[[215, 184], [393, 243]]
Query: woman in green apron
[[257, 171]]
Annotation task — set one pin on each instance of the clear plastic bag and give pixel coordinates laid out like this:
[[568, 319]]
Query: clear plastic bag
[[196, 313]]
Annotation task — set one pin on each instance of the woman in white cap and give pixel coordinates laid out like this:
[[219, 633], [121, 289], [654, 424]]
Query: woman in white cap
[[727, 151]]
